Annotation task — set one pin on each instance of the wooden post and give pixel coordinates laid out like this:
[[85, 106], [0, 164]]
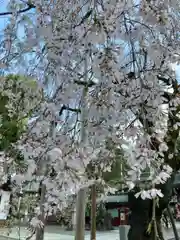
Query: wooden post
[[40, 231], [81, 195], [80, 215], [74, 219], [93, 212]]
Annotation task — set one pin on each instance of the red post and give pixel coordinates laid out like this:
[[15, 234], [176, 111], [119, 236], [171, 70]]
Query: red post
[[123, 215]]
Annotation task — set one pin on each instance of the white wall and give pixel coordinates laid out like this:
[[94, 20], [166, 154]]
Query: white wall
[[4, 204]]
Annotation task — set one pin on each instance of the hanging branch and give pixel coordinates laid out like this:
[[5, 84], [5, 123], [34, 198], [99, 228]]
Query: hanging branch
[[29, 7]]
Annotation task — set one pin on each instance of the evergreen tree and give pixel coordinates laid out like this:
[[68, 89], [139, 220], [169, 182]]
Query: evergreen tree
[[13, 122]]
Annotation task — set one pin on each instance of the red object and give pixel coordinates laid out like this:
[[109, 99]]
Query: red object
[[123, 215], [177, 211], [115, 222], [116, 208]]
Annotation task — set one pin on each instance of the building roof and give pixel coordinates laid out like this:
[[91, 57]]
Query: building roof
[[120, 197], [177, 180]]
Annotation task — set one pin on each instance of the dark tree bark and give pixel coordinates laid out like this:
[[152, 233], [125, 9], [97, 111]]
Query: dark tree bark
[[173, 223], [139, 217], [93, 212], [141, 213], [141, 210]]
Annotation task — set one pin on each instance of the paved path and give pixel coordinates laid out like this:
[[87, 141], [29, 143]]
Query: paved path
[[6, 238], [56, 233], [114, 235]]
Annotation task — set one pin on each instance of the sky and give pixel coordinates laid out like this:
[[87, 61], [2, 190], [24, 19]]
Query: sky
[[3, 22]]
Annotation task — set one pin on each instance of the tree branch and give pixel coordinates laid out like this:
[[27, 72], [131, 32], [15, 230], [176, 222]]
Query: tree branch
[[169, 81], [77, 110], [167, 96], [88, 84], [29, 7]]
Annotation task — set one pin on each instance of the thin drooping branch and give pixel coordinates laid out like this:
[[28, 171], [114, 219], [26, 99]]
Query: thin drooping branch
[[90, 83], [64, 107], [29, 7]]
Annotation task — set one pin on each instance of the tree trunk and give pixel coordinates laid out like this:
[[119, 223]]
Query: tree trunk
[[141, 212], [173, 223], [40, 234], [74, 219], [81, 196], [139, 218], [159, 228], [93, 212], [40, 231], [80, 214]]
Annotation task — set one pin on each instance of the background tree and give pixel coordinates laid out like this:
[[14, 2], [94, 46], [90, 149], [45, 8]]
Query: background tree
[[119, 169], [14, 119]]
